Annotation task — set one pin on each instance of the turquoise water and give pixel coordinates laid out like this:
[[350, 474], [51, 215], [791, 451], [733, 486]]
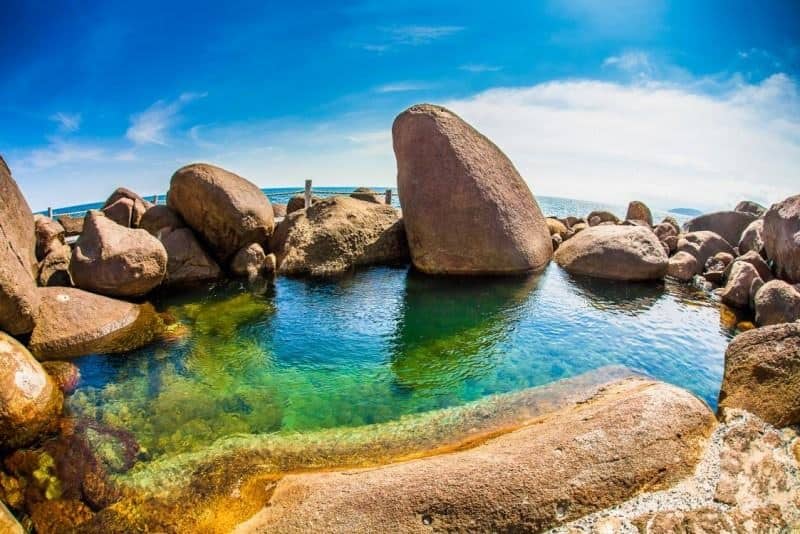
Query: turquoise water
[[303, 355]]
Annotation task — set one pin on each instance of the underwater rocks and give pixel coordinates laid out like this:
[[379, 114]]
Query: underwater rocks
[[226, 210], [635, 435], [113, 260], [727, 224], [337, 234], [614, 252], [30, 402], [72, 323], [782, 238], [762, 374], [18, 268], [65, 374], [466, 208]]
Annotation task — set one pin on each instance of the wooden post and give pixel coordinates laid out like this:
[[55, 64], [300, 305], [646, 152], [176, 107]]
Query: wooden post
[[388, 197], [308, 194], [50, 212]]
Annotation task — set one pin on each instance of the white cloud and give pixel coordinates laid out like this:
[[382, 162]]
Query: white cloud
[[151, 125], [479, 67], [67, 122], [59, 152], [410, 36], [635, 62], [402, 87]]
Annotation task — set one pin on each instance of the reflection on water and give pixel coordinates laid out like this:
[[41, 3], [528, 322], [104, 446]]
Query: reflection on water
[[308, 355]]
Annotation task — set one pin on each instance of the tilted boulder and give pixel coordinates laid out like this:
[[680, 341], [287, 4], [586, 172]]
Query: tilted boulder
[[782, 237], [753, 208], [614, 252], [30, 402], [73, 323], [466, 208], [762, 374], [117, 261], [158, 218], [777, 302], [752, 237], [72, 225], [736, 292], [19, 300], [130, 211], [556, 227], [756, 260], [49, 235], [187, 261], [727, 224], [598, 217], [638, 211], [336, 234], [121, 212], [225, 210]]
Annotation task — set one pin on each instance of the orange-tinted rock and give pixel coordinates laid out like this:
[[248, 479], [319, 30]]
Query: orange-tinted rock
[[18, 268], [298, 202], [727, 224], [30, 402], [65, 374], [113, 260], [782, 237], [8, 523], [466, 208], [638, 211], [72, 225], [556, 227], [62, 515], [72, 323], [225, 210], [614, 252]]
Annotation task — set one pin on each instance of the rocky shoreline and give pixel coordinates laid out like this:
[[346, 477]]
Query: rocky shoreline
[[633, 455]]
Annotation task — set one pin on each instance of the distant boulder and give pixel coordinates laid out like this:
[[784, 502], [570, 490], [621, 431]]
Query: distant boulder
[[727, 224], [753, 208], [598, 217], [279, 210], [782, 237], [298, 202], [367, 195], [466, 208], [638, 211], [556, 227], [72, 225], [130, 211]]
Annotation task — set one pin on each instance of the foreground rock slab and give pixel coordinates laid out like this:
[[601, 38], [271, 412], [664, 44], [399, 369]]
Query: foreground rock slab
[[614, 252], [636, 435], [466, 208], [18, 268], [72, 323]]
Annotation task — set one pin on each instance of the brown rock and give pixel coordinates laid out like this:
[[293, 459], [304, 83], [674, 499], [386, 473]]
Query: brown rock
[[637, 435], [133, 210], [249, 261], [18, 268], [736, 292], [298, 202], [727, 224], [367, 195], [756, 260], [571, 221], [703, 245], [782, 238], [30, 402], [62, 515], [54, 269], [465, 206], [113, 260], [753, 208], [8, 523], [158, 218], [66, 375], [279, 210], [683, 266], [671, 243], [72, 323], [762, 374], [121, 212], [225, 210], [49, 235], [337, 234], [638, 211], [599, 217], [556, 239], [777, 302], [577, 227], [72, 225], [614, 252], [672, 221], [664, 230], [187, 262], [752, 237], [554, 226]]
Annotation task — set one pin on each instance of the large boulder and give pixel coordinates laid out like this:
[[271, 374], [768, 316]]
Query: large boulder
[[19, 300], [72, 323], [728, 224], [753, 208], [117, 261], [129, 212], [762, 374], [225, 210], [30, 401], [756, 260], [187, 261], [752, 237], [635, 436], [782, 237], [159, 218], [49, 235], [736, 292], [777, 302], [614, 252], [465, 206], [638, 211], [336, 234]]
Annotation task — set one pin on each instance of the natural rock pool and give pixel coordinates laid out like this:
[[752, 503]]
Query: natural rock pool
[[307, 355]]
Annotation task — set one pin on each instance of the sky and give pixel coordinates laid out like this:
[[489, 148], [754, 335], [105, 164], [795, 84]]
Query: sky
[[679, 104]]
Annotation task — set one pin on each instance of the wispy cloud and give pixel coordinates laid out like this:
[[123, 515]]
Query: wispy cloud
[[633, 62], [60, 152], [402, 87], [480, 67], [151, 125], [67, 122], [409, 36]]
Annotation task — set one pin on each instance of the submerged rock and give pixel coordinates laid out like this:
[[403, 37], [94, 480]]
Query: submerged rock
[[762, 374], [30, 402], [777, 302], [72, 323], [65, 374], [782, 238], [466, 208], [113, 260], [226, 210], [18, 267], [614, 252], [337, 234], [638, 211], [727, 224]]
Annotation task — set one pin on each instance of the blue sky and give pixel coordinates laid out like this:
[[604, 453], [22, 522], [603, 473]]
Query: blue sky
[[676, 103]]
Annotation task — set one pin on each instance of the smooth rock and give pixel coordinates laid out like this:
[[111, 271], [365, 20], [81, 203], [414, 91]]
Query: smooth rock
[[782, 238], [672, 221], [72, 225], [337, 234], [614, 252], [762, 374], [187, 261], [736, 292], [638, 211], [225, 210], [73, 323], [137, 206], [121, 212], [600, 216], [8, 523], [753, 208], [30, 402], [49, 235], [298, 202], [54, 268], [756, 260], [466, 208], [577, 227], [117, 261], [367, 195], [158, 218], [727, 224], [683, 266], [19, 300], [249, 261], [752, 237], [776, 302], [554, 226], [703, 245]]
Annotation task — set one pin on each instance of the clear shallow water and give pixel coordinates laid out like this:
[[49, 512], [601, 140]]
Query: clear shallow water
[[378, 344]]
